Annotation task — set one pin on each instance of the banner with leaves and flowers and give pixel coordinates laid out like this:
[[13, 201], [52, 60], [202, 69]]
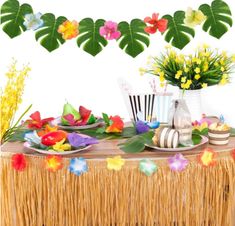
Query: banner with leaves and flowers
[[132, 37]]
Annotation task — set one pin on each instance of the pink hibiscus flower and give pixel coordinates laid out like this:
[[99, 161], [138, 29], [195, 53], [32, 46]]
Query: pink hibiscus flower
[[110, 30]]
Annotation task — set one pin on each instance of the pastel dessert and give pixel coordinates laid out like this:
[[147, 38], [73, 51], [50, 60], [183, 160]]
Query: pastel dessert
[[219, 133]]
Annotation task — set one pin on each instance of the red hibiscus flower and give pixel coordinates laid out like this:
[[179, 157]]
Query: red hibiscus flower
[[18, 162], [36, 122], [155, 24], [116, 125]]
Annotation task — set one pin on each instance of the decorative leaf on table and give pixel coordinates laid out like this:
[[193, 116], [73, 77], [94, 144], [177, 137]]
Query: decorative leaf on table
[[218, 18], [105, 118], [133, 37], [129, 132], [48, 35], [89, 36], [137, 143], [12, 16], [133, 145], [178, 34], [232, 132]]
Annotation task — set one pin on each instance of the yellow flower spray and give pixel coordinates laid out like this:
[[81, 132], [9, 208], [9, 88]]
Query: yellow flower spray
[[10, 98]]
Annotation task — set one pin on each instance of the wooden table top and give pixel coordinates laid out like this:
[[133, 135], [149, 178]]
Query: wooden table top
[[109, 148]]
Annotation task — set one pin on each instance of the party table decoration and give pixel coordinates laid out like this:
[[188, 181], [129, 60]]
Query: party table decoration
[[180, 119], [166, 137], [53, 163], [171, 197], [219, 133], [78, 166], [18, 162], [116, 163], [207, 157], [69, 29], [110, 30], [58, 142], [10, 99], [178, 162], [132, 36], [72, 119], [194, 17], [147, 166], [206, 67], [33, 21]]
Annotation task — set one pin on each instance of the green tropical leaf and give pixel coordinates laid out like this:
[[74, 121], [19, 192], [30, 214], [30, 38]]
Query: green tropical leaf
[[129, 132], [47, 35], [89, 36], [133, 145], [218, 18], [12, 17], [177, 33], [133, 37]]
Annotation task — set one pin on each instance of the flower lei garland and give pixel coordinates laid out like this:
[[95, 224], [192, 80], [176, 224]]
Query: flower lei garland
[[132, 37], [79, 166]]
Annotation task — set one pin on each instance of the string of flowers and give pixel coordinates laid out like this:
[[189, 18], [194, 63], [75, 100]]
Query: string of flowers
[[10, 99], [132, 36]]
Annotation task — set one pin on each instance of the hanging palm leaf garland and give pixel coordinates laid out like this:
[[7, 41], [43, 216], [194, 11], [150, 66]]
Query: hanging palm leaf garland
[[92, 36]]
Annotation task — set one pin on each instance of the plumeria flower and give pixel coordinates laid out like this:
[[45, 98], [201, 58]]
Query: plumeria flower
[[32, 138], [53, 163], [69, 29], [116, 125], [177, 162], [155, 24], [77, 140], [110, 30], [78, 166], [207, 157], [33, 21], [18, 162], [194, 17], [60, 146], [147, 166], [115, 163], [36, 122]]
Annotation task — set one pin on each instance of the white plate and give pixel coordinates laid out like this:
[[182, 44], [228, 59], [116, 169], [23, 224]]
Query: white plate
[[155, 148], [27, 145], [94, 125]]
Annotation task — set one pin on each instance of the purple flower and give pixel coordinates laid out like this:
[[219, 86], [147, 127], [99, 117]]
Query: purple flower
[[177, 162], [141, 127], [77, 140], [110, 30]]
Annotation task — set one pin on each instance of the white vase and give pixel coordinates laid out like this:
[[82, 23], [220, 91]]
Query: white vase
[[194, 102]]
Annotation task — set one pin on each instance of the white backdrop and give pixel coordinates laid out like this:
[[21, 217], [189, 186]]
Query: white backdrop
[[71, 74]]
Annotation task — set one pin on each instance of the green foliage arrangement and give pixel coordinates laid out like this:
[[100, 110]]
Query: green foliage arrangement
[[206, 67]]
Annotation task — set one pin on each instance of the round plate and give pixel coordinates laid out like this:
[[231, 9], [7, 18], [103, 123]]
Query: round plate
[[27, 145], [203, 141], [94, 125]]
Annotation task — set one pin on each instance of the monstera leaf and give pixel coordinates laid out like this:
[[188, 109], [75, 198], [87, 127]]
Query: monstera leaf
[[218, 18], [12, 16], [89, 36], [133, 38], [178, 34], [48, 35]]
